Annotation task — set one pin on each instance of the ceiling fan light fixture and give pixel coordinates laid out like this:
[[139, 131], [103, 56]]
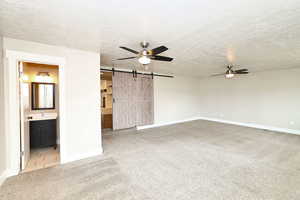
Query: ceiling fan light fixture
[[144, 60], [145, 55], [229, 75]]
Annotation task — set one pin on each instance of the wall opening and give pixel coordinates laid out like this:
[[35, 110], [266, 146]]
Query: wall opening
[[39, 116], [106, 101]]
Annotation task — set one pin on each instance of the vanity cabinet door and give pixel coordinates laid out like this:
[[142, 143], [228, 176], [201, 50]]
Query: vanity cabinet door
[[48, 137], [35, 136], [42, 133]]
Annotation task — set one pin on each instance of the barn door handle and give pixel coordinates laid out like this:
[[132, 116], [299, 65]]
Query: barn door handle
[[114, 100]]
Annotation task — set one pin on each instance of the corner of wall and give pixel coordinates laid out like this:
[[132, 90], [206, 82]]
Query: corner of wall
[[3, 157], [3, 177], [72, 158]]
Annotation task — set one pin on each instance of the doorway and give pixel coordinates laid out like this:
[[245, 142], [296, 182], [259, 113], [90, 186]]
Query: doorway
[[12, 105], [39, 113], [106, 101], [126, 99]]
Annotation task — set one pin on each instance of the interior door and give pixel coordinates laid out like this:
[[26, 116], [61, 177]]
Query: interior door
[[24, 123], [144, 100], [124, 87]]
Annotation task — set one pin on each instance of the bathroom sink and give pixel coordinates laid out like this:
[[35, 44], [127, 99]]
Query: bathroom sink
[[41, 116]]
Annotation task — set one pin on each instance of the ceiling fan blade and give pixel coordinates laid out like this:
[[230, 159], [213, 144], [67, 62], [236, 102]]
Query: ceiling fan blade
[[162, 58], [131, 50], [126, 58], [219, 74], [244, 72], [159, 50], [241, 70]]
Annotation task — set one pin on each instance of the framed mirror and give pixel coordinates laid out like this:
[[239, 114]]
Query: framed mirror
[[42, 96]]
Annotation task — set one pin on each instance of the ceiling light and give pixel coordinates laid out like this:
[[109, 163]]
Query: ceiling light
[[229, 74], [144, 60]]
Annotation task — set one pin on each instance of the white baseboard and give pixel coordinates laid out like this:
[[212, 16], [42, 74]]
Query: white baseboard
[[251, 125], [82, 156], [3, 177], [166, 123], [12, 172]]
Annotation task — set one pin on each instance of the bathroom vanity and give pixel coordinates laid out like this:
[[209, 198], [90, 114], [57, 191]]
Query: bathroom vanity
[[43, 130], [43, 116], [43, 133]]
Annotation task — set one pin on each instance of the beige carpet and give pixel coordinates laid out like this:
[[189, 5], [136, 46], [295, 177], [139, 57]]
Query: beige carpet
[[189, 161]]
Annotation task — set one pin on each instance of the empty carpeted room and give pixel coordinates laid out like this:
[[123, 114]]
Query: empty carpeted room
[[150, 100]]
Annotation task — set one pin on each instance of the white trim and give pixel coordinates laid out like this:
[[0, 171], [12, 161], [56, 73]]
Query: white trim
[[3, 177], [166, 123], [252, 125], [11, 100], [84, 156], [5, 174], [37, 58], [12, 172]]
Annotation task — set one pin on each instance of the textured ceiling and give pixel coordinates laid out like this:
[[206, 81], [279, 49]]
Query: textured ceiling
[[201, 34]]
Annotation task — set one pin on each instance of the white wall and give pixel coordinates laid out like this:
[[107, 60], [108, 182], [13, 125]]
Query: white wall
[[175, 99], [83, 103], [2, 135], [82, 92], [269, 98]]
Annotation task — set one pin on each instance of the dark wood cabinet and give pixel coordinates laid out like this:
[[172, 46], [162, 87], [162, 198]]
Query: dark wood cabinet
[[43, 133]]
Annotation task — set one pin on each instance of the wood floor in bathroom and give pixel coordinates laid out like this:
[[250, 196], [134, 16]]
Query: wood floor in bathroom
[[42, 158]]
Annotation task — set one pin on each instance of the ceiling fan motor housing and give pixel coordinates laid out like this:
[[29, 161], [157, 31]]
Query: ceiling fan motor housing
[[145, 52]]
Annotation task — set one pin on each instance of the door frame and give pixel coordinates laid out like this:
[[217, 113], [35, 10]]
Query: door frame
[[23, 132], [11, 102]]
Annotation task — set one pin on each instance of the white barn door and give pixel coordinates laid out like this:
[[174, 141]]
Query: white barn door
[[123, 95], [144, 100], [132, 100]]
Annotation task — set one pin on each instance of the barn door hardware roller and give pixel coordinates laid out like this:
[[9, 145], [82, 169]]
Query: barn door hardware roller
[[134, 73], [113, 71]]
